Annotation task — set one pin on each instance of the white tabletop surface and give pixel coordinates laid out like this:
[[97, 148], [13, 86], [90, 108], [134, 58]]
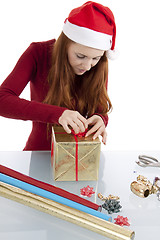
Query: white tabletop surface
[[117, 170]]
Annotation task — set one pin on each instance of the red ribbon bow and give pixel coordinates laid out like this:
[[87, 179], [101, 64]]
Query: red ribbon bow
[[80, 134]]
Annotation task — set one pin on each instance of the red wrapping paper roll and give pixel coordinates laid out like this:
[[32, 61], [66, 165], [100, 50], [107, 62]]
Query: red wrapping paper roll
[[59, 191]]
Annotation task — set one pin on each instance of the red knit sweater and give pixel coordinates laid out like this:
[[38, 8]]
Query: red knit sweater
[[33, 67]]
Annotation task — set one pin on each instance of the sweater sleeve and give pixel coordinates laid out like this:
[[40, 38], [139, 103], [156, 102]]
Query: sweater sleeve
[[12, 106]]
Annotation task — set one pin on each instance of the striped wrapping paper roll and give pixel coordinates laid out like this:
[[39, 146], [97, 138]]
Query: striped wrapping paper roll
[[82, 219], [43, 193], [48, 187]]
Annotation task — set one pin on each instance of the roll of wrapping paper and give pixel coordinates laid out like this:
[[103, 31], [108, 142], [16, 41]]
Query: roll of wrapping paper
[[82, 219], [51, 196], [48, 187]]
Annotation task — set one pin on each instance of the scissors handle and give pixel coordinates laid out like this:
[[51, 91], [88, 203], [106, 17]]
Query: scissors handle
[[148, 161]]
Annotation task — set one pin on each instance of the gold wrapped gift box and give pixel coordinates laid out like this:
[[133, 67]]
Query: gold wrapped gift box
[[65, 158]]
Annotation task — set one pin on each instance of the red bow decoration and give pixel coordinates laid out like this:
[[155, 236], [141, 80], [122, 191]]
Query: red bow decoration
[[120, 220], [80, 134], [87, 191]]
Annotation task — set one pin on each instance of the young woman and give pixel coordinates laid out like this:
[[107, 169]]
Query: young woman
[[68, 78]]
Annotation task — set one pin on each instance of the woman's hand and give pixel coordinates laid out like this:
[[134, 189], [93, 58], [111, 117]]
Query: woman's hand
[[98, 127], [73, 119]]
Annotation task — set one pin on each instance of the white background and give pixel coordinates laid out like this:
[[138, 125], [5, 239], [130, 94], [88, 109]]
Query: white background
[[133, 78]]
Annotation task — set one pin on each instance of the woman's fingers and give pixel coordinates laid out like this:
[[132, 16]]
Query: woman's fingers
[[82, 119], [96, 121], [73, 119], [72, 125], [78, 123], [98, 132], [93, 129], [98, 128], [104, 137], [101, 131], [66, 128]]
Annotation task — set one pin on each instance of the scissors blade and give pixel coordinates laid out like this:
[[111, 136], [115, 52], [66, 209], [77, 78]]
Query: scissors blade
[[157, 164], [142, 164]]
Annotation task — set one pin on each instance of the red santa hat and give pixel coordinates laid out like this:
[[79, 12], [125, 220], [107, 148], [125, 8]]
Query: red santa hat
[[92, 25]]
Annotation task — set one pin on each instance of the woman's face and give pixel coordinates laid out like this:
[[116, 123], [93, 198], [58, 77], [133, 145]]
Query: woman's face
[[82, 58]]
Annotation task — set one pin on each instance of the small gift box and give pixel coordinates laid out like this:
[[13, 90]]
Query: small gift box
[[73, 157]]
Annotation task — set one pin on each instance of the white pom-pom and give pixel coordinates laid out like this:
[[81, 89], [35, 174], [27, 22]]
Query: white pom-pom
[[112, 54]]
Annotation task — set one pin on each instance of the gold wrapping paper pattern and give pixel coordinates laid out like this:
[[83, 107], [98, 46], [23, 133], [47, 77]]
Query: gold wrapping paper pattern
[[64, 156], [82, 219]]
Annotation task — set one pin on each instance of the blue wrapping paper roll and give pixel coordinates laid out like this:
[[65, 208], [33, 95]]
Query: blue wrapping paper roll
[[43, 193]]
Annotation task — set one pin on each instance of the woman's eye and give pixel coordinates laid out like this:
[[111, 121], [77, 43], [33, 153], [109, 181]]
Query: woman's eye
[[97, 58], [79, 56]]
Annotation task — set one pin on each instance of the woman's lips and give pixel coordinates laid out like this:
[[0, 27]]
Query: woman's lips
[[81, 70]]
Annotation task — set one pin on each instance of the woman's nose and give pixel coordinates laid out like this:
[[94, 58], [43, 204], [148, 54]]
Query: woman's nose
[[88, 64]]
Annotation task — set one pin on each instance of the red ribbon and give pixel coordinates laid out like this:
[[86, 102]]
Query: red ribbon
[[80, 135]]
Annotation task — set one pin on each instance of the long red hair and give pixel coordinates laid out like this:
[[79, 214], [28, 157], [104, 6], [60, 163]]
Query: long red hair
[[85, 93]]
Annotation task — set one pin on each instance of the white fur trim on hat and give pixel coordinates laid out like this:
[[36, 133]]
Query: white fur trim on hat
[[87, 37], [112, 54]]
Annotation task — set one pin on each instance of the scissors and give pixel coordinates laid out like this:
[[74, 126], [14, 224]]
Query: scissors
[[146, 161]]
